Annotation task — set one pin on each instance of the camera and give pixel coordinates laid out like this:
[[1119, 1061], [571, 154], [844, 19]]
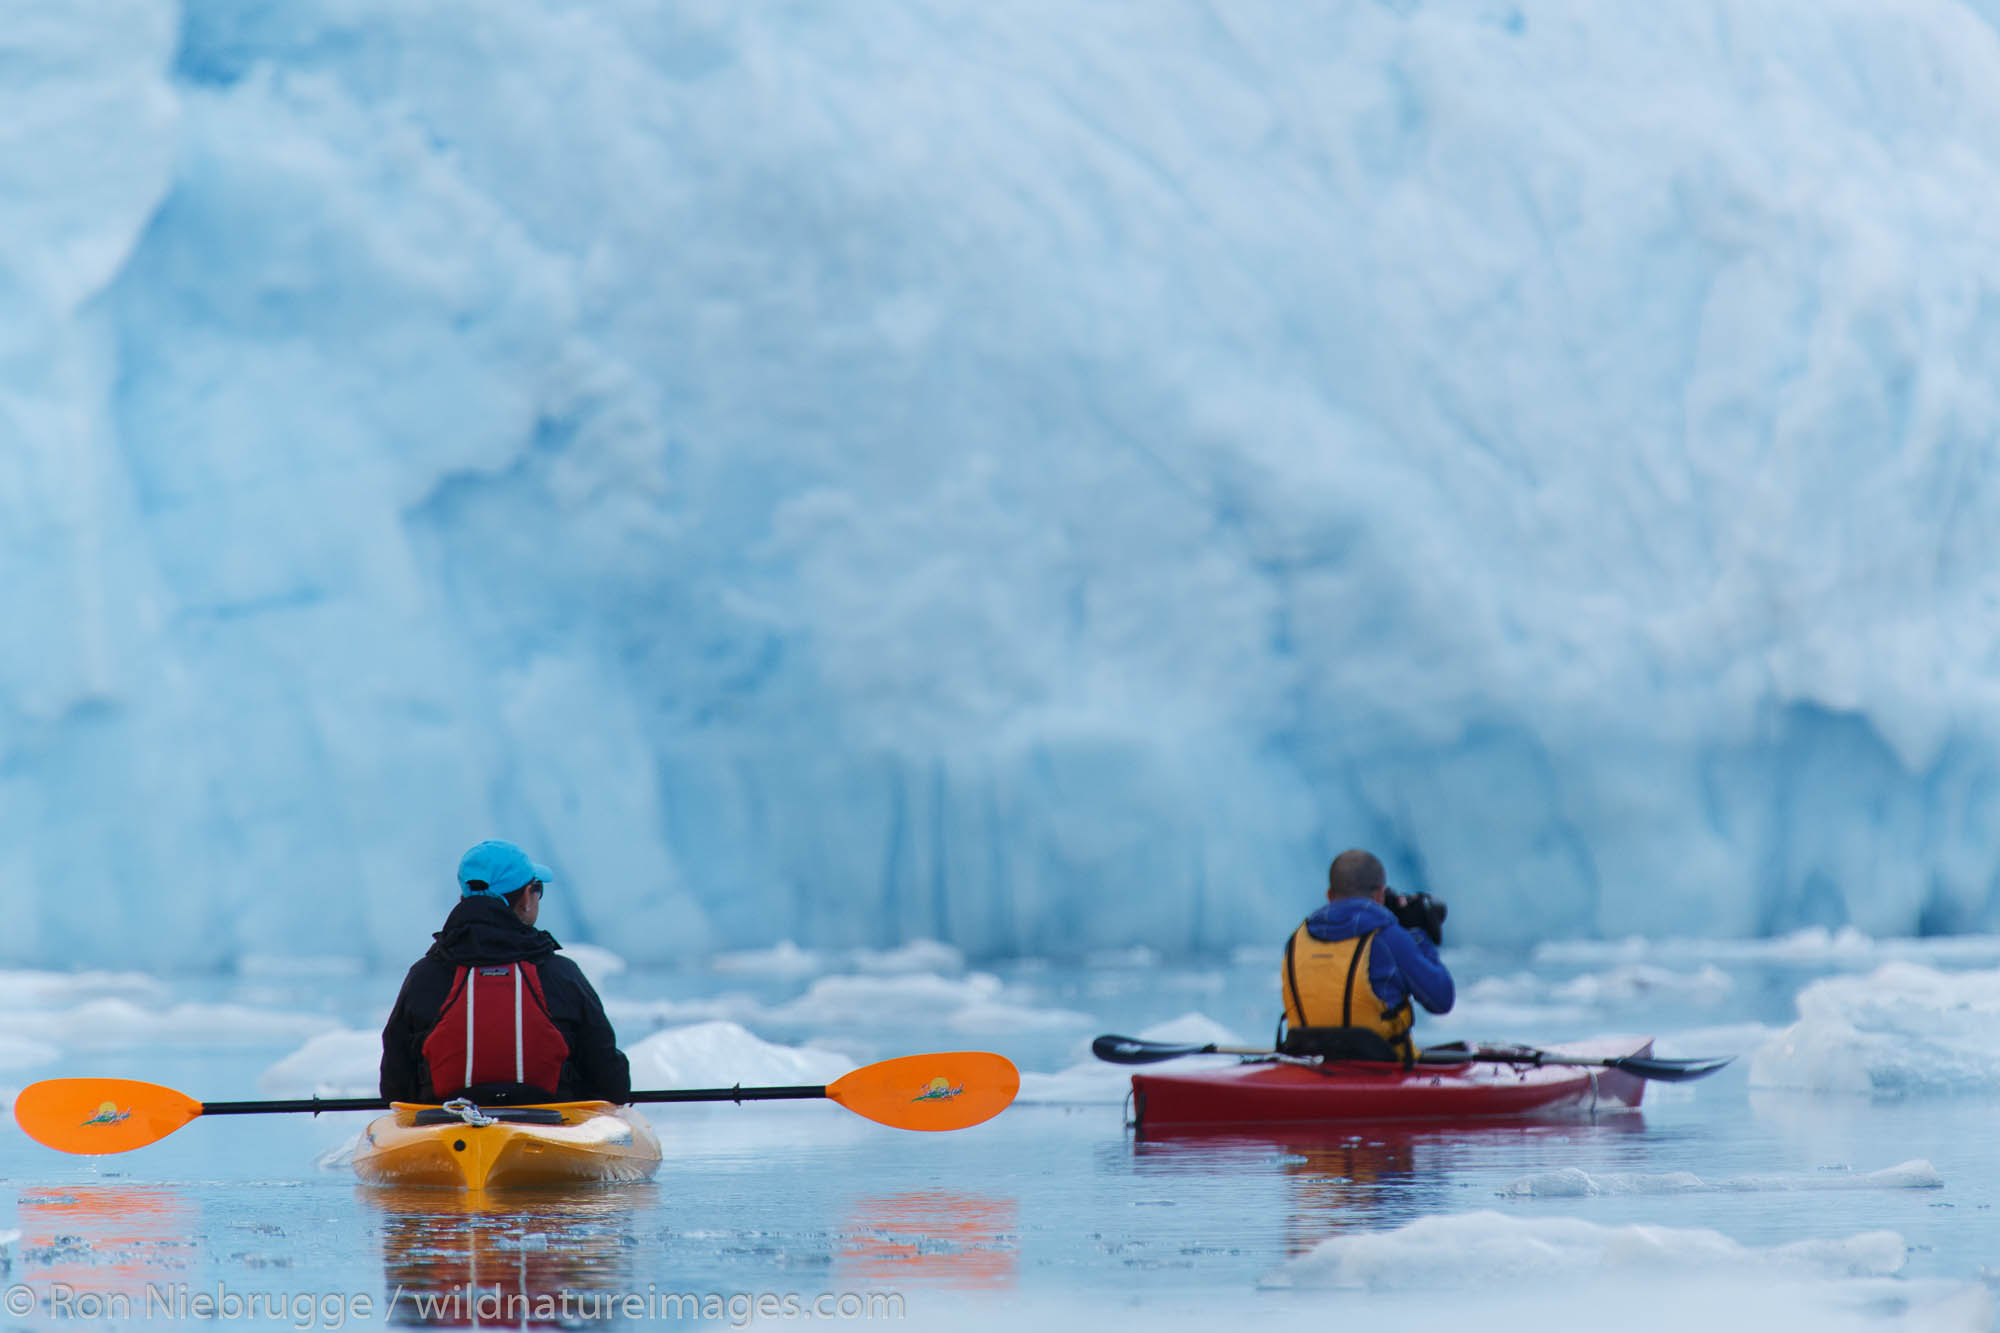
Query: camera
[[1418, 911]]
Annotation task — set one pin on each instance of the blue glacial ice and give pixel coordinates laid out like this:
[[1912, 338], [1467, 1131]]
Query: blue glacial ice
[[1030, 477]]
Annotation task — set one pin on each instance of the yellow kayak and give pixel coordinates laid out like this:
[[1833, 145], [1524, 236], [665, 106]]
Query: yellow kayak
[[564, 1143]]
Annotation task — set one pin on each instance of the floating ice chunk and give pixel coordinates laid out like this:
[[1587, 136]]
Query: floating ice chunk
[[1625, 984], [652, 1015], [976, 1002], [597, 963], [343, 1063], [1137, 956], [35, 990], [1091, 1081], [1571, 1182], [1488, 1248], [1192, 1028], [1631, 949], [1812, 946], [852, 999], [916, 956], [783, 959], [111, 1023], [723, 1054], [984, 1016], [299, 965], [1901, 1029]]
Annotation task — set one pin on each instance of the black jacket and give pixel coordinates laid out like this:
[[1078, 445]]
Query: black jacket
[[484, 930]]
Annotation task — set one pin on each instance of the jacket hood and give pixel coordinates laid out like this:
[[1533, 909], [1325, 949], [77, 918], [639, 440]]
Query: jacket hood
[[1344, 918], [485, 930]]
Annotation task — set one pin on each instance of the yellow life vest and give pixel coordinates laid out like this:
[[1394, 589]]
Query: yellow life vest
[[1326, 986]]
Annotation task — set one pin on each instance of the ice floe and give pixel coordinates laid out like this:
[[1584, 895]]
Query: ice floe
[[1812, 946], [1549, 1272], [721, 1054], [781, 960], [1091, 1081], [976, 1002], [915, 956], [20, 989], [786, 960], [1573, 1182], [1498, 1271], [341, 1063], [112, 1022], [597, 962], [1900, 1029]]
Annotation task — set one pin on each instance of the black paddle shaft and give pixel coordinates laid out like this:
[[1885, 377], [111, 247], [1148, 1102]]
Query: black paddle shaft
[[739, 1093], [312, 1104], [315, 1105]]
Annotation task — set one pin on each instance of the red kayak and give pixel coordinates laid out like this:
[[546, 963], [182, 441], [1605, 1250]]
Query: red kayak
[[1288, 1092]]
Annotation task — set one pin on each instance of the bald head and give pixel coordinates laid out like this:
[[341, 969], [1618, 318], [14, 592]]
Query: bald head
[[1355, 874]]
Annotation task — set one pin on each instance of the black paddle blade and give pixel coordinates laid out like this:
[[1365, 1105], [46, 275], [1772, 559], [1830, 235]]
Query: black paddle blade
[[1132, 1051], [1668, 1071]]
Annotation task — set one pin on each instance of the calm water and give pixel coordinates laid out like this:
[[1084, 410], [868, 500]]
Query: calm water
[[1054, 1205]]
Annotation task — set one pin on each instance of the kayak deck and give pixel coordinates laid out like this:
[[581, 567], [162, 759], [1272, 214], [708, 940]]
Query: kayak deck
[[561, 1143], [1291, 1092]]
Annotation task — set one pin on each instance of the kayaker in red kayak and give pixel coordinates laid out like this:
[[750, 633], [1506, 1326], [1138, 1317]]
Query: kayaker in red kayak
[[1353, 967], [493, 1008]]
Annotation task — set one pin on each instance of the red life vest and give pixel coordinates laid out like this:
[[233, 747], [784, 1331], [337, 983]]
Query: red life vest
[[495, 1028]]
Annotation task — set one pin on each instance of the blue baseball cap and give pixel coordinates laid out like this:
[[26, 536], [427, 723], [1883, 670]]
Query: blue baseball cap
[[502, 866]]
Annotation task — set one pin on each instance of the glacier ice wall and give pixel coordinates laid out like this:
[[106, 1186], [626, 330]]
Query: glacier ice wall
[[1035, 476]]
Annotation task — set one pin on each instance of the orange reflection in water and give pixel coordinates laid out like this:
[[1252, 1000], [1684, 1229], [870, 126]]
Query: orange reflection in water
[[934, 1236], [105, 1238], [526, 1259]]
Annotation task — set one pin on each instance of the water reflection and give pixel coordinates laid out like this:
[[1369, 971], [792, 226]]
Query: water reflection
[[110, 1240], [1360, 1177], [939, 1237], [528, 1259]]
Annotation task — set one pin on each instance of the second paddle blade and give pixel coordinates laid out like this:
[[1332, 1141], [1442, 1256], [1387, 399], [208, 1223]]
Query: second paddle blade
[[101, 1115], [950, 1090]]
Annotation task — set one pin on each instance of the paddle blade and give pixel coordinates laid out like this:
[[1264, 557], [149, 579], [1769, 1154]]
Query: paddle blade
[[101, 1115], [1668, 1071], [1132, 1051], [950, 1090]]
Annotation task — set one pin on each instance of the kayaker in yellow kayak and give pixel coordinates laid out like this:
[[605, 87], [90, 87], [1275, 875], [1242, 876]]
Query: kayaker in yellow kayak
[[493, 1010], [1352, 968]]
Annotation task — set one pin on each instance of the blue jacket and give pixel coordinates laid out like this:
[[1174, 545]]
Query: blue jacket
[[1403, 961]]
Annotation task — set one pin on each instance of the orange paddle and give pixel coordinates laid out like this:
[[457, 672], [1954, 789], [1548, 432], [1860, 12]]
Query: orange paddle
[[949, 1090]]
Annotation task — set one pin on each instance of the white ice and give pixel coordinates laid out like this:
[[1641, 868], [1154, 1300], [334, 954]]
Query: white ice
[[342, 1063], [1566, 1272], [722, 1054], [1038, 477], [1574, 1182], [1901, 1029], [1090, 1081]]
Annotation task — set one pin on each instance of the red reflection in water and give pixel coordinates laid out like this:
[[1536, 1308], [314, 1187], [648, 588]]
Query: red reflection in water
[[1363, 1175]]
